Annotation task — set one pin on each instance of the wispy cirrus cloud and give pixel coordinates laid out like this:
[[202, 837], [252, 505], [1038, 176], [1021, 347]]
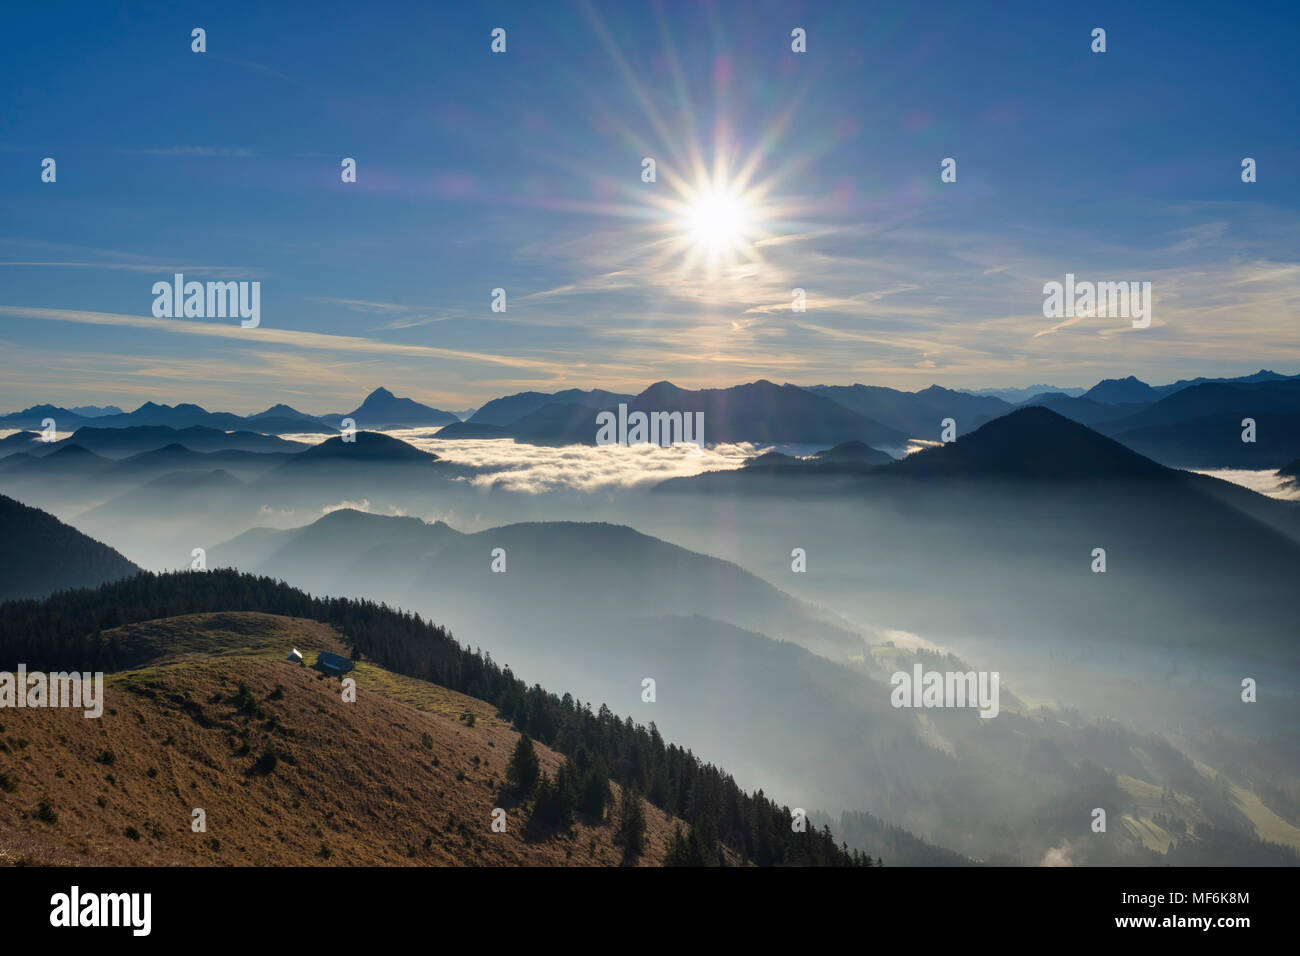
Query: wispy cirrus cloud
[[271, 336]]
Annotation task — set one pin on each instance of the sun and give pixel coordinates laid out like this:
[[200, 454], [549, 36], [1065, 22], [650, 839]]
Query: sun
[[718, 221]]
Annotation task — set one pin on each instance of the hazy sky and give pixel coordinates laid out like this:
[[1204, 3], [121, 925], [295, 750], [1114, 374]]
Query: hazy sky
[[522, 171]]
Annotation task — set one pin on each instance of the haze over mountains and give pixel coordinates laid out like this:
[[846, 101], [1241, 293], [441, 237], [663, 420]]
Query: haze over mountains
[[1058, 542]]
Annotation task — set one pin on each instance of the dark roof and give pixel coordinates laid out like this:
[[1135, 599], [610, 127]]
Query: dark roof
[[333, 661]]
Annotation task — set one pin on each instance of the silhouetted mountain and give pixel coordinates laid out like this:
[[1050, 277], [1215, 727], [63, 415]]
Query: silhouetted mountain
[[1263, 375], [187, 415], [39, 555], [96, 411], [18, 442], [764, 412], [770, 459], [64, 419], [282, 411], [855, 451], [1201, 426], [1215, 441], [383, 409], [66, 459], [511, 408], [282, 419], [1215, 398], [759, 412], [176, 457], [131, 440], [965, 408], [553, 423], [1028, 443], [366, 446], [1119, 391], [849, 455], [916, 414], [1019, 396], [183, 415]]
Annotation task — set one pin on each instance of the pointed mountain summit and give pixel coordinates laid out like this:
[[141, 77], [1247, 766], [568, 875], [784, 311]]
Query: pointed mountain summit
[[664, 393], [282, 411], [368, 446], [1031, 442], [383, 409], [1120, 391]]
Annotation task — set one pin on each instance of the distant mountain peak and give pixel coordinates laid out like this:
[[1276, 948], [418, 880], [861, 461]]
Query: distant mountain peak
[[1031, 442], [664, 387], [1121, 390], [369, 446], [382, 408]]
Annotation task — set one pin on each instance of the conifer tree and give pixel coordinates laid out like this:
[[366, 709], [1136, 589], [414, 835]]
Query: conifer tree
[[523, 770], [631, 823]]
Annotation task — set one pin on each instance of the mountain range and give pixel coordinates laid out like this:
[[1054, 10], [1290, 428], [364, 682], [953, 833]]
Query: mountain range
[[380, 409], [1192, 423]]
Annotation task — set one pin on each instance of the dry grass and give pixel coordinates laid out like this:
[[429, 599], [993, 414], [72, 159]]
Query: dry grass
[[353, 783]]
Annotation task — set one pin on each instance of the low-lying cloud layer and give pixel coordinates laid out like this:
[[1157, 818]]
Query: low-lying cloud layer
[[535, 469], [1264, 482]]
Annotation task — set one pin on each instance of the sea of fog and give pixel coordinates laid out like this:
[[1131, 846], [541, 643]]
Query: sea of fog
[[520, 467], [535, 469]]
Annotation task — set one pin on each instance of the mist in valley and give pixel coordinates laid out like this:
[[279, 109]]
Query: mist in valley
[[771, 609]]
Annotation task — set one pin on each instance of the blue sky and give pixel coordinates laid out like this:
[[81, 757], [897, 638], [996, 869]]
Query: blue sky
[[522, 171]]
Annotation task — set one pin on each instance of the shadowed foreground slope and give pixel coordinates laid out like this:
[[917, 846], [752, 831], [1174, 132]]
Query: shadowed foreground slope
[[400, 777]]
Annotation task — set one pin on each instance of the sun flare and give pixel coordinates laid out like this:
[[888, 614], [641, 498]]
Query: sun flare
[[719, 221]]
